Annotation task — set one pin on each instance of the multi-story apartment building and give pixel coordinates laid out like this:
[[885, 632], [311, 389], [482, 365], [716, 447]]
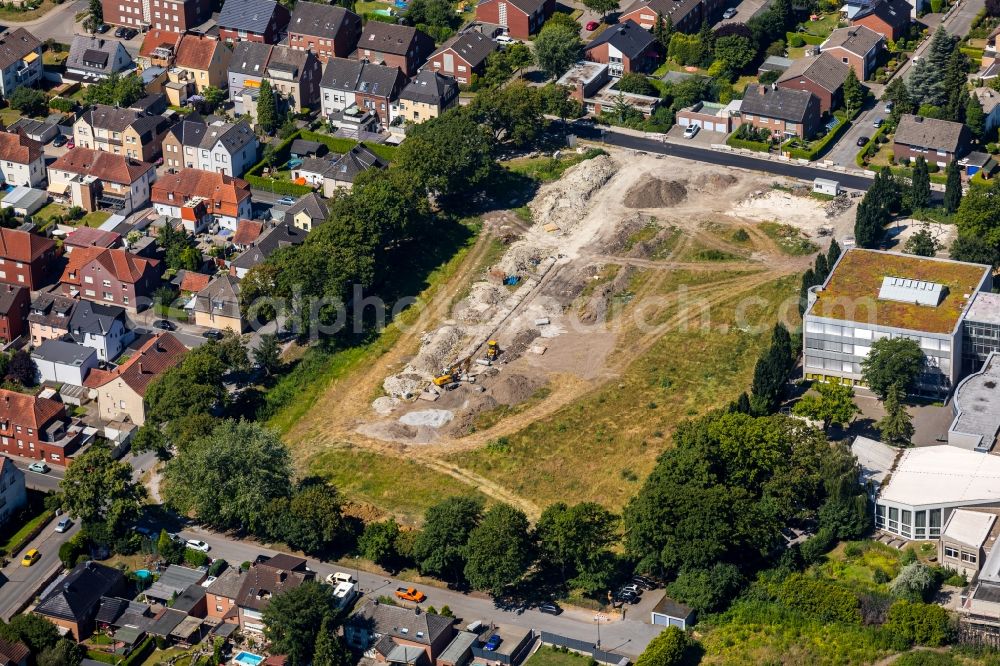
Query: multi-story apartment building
[[174, 15], [685, 15], [518, 18], [293, 75], [39, 428], [121, 132], [226, 148], [26, 259], [49, 316], [350, 88], [329, 31], [14, 304], [22, 161], [394, 45], [93, 58], [20, 61], [261, 21], [103, 328], [857, 47], [116, 276], [871, 295], [427, 96], [96, 180], [202, 198], [13, 495], [201, 62], [463, 55]]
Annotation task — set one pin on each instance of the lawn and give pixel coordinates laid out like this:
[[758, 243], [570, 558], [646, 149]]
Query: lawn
[[50, 210], [550, 656], [95, 219], [12, 14], [822, 27]]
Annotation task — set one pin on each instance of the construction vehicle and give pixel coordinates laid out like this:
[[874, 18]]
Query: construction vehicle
[[492, 350], [454, 373]]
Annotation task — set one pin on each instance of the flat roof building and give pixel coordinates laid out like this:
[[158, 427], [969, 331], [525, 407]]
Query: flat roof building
[[977, 409]]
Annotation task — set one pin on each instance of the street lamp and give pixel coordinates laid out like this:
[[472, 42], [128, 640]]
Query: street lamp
[[597, 619]]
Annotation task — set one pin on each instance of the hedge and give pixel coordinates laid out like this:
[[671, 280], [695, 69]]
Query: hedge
[[103, 657], [973, 53], [759, 146], [859, 159], [278, 186], [806, 37], [817, 148], [338, 144], [280, 156], [27, 532], [138, 655]]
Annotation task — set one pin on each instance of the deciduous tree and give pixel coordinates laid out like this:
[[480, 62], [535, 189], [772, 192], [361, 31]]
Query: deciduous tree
[[499, 549], [293, 620], [556, 48], [601, 6], [892, 361], [117, 90], [667, 649], [921, 243], [448, 155], [99, 491], [439, 549], [378, 542], [830, 404], [571, 537]]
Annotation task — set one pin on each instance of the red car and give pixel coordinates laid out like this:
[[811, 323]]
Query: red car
[[591, 26]]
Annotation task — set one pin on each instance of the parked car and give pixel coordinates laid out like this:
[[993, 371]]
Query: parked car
[[60, 140], [146, 531], [286, 201], [888, 107], [504, 39], [878, 122], [690, 131], [550, 609], [634, 589], [164, 325], [102, 28], [410, 594], [212, 334], [729, 13], [195, 544], [64, 525], [628, 598], [643, 583], [591, 26], [30, 557], [493, 643], [626, 594], [39, 467], [862, 140]]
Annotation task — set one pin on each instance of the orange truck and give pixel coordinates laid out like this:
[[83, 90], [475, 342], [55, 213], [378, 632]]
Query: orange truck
[[410, 594]]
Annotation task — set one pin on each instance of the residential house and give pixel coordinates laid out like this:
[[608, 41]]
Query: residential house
[[685, 15], [351, 88], [308, 212], [427, 95], [989, 100], [120, 392], [889, 18], [225, 148], [96, 180], [293, 75], [937, 141], [337, 172], [247, 233], [201, 61], [518, 18], [26, 259], [13, 653], [177, 16], [202, 198], [463, 55], [22, 161], [822, 75], [218, 305], [13, 496], [190, 283], [592, 84], [20, 61], [222, 594], [49, 316], [329, 31], [62, 362], [989, 59], [968, 535], [261, 21], [625, 48], [784, 111], [72, 602], [382, 631], [395, 45], [90, 237], [103, 328], [39, 428], [280, 235], [858, 47], [116, 277], [94, 58], [159, 48], [14, 304], [266, 578], [121, 132]]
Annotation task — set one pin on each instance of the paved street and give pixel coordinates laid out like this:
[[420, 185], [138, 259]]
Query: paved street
[[846, 149], [19, 584], [47, 483], [58, 24], [627, 637]]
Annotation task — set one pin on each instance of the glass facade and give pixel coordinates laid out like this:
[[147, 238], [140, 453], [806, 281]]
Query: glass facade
[[920, 525], [979, 340]]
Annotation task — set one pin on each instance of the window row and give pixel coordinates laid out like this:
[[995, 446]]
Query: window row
[[925, 524]]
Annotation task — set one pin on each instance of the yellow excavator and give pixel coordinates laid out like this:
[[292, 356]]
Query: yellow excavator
[[492, 350], [454, 373]]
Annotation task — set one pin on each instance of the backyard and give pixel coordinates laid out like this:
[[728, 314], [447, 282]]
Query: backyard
[[547, 655]]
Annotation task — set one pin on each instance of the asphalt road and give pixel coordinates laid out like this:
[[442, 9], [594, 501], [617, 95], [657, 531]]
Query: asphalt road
[[845, 150], [47, 483], [20, 584], [629, 636]]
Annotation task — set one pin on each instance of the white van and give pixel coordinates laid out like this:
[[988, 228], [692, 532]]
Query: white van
[[505, 39]]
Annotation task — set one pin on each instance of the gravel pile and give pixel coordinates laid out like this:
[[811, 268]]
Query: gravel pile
[[656, 193], [564, 202]]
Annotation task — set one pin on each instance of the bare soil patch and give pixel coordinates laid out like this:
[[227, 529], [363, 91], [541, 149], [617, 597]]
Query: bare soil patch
[[656, 193]]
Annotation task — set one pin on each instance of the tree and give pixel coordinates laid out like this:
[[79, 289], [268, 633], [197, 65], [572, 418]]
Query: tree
[[556, 48], [854, 92], [707, 590], [952, 188], [896, 427], [311, 519], [975, 250], [150, 438], [192, 387], [899, 95], [975, 118], [213, 97], [978, 214], [293, 619], [915, 582], [440, 547], [169, 550], [919, 623], [892, 361], [513, 113], [35, 631], [808, 282], [602, 6], [921, 243], [821, 268], [267, 110], [267, 355], [99, 491], [95, 10], [228, 478], [571, 538], [927, 82], [330, 649], [448, 155], [771, 371], [378, 542], [868, 224], [831, 404], [499, 549], [736, 51], [64, 653], [920, 187], [955, 83], [663, 30], [22, 369], [116, 90], [667, 649], [635, 83], [29, 101]]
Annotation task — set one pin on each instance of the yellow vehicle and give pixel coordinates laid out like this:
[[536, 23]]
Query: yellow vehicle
[[443, 379], [30, 557], [492, 350]]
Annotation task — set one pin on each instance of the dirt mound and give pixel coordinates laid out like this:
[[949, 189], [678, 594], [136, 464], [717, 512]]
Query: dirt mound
[[624, 234], [465, 420], [437, 349], [385, 405], [519, 259], [564, 202], [514, 389], [596, 307], [404, 385], [715, 182], [397, 430], [481, 302], [655, 193]]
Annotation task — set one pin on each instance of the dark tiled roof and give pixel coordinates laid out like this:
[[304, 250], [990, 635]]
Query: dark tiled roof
[[93, 53], [52, 310], [320, 20], [827, 72], [228, 584], [526, 6], [94, 318], [280, 235], [249, 15], [354, 162], [858, 40], [15, 45], [781, 103], [895, 13], [473, 46], [76, 598], [366, 77], [389, 37], [13, 653], [221, 296], [929, 133], [167, 622], [268, 578], [110, 118], [313, 206], [189, 598], [429, 87], [420, 627], [250, 58], [289, 60], [629, 37], [9, 294]]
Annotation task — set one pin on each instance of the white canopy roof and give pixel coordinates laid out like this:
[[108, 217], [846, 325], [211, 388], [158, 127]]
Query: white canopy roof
[[938, 475]]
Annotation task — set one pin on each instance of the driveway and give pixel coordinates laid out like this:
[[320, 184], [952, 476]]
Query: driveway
[[745, 11], [58, 24], [844, 151]]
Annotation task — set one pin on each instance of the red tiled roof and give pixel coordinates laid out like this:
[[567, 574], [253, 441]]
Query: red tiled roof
[[23, 246], [19, 148], [87, 236], [13, 653], [123, 265], [194, 282], [154, 358], [27, 410], [247, 232], [157, 38], [195, 52], [224, 193], [106, 166]]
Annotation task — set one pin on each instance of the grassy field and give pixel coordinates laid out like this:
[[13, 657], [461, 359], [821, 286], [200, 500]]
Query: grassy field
[[601, 447], [402, 487], [788, 238], [11, 14], [95, 219], [550, 656]]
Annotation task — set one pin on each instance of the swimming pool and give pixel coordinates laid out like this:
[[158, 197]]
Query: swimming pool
[[248, 659]]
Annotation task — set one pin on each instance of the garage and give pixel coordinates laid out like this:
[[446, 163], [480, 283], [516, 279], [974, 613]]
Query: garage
[[670, 613], [710, 126]]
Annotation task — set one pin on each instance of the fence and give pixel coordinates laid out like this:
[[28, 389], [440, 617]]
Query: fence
[[583, 646]]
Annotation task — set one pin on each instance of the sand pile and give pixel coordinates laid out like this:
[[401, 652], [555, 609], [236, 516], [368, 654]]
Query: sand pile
[[385, 405], [564, 202], [465, 421], [514, 389], [519, 259], [481, 302], [714, 182], [655, 193]]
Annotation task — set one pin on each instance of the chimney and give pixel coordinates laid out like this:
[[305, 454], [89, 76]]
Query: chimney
[[140, 367], [761, 90]]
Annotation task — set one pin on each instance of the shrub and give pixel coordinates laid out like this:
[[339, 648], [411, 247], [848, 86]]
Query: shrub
[[821, 599], [62, 104], [919, 624], [707, 590], [667, 649], [796, 41], [218, 566], [915, 582], [818, 545], [853, 549], [195, 558]]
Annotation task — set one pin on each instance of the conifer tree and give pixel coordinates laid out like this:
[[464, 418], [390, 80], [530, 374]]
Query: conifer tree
[[952, 188], [920, 185]]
